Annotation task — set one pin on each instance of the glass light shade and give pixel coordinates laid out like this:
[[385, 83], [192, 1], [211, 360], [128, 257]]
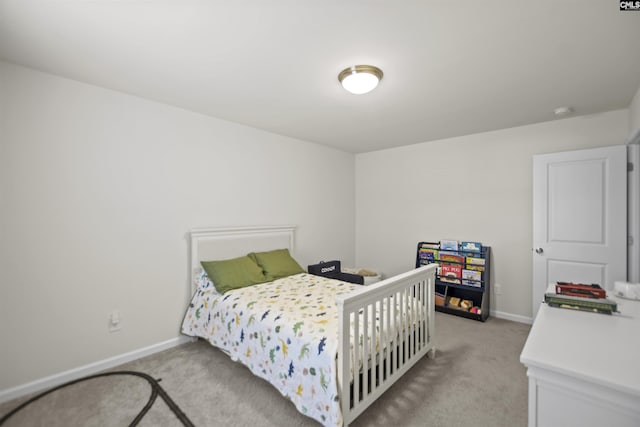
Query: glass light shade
[[360, 79]]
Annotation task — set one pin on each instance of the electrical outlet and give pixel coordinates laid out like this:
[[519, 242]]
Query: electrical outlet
[[498, 289], [114, 321]]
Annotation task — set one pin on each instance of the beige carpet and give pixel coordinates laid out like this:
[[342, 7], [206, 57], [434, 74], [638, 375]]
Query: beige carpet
[[475, 380]]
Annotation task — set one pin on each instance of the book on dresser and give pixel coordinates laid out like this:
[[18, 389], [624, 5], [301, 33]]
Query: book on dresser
[[463, 277], [578, 296]]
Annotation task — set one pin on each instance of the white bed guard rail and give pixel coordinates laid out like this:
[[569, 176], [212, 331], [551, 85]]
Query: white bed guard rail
[[395, 317]]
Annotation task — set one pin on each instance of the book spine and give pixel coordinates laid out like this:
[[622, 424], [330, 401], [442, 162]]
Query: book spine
[[589, 304], [579, 308]]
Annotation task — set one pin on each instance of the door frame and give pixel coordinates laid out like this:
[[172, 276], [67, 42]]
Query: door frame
[[633, 202]]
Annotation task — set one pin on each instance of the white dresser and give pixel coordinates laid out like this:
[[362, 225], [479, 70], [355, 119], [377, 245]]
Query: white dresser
[[584, 368]]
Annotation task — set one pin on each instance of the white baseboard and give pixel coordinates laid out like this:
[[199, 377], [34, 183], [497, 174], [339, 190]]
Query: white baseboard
[[512, 317], [90, 369]]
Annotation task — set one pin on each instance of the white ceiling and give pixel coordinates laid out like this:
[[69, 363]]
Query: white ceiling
[[452, 67]]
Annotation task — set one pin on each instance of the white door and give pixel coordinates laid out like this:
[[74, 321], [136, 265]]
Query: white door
[[579, 218]]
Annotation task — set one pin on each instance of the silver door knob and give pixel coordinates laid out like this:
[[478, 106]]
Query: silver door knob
[[539, 250]]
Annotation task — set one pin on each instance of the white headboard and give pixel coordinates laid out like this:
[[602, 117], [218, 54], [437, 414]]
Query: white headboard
[[223, 243]]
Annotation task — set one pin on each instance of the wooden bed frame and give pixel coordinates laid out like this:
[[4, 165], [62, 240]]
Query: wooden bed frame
[[406, 299]]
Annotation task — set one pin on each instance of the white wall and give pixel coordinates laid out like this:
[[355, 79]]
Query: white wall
[[97, 192], [476, 187]]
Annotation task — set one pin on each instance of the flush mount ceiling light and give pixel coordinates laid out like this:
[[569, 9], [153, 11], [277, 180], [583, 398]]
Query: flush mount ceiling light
[[360, 79]]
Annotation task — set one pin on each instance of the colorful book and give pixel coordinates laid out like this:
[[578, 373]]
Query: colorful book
[[472, 283], [450, 257], [429, 245], [471, 278], [429, 255], [580, 290], [449, 245], [471, 246], [454, 271], [471, 275], [474, 261], [599, 305]]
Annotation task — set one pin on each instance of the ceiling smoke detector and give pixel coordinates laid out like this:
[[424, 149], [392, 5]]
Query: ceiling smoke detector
[[563, 111]]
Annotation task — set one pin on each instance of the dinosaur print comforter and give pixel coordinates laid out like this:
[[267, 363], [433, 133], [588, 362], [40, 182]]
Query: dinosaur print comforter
[[284, 331]]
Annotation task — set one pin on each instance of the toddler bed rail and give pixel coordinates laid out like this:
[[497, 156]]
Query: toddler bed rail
[[394, 323]]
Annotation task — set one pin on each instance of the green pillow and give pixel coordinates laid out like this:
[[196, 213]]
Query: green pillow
[[276, 264], [233, 273]]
